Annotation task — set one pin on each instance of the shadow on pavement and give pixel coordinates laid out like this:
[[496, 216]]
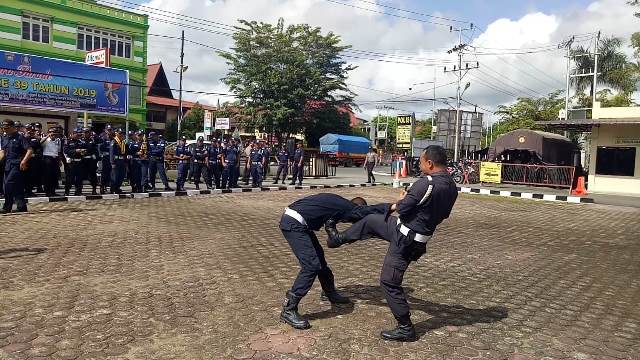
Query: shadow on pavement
[[336, 310], [442, 314], [20, 252]]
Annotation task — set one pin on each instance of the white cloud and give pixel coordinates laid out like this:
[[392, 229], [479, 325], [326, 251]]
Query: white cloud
[[529, 74]]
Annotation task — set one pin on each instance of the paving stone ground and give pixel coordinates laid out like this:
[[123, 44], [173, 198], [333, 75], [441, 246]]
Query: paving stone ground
[[204, 278]]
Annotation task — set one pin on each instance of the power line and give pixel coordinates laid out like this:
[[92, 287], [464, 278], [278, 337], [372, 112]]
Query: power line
[[499, 80], [491, 86], [414, 12], [389, 14]]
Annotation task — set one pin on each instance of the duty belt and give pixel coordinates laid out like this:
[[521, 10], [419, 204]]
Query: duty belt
[[199, 161], [88, 157], [118, 157], [158, 158], [257, 162], [417, 237], [75, 160], [294, 214]]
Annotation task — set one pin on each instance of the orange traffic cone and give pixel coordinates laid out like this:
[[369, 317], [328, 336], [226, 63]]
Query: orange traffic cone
[[580, 188], [404, 169]]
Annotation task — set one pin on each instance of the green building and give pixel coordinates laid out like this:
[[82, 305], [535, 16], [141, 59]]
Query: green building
[[67, 29]]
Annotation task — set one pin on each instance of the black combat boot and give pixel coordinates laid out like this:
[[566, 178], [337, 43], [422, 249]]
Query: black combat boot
[[334, 238], [334, 297], [404, 332], [290, 313]]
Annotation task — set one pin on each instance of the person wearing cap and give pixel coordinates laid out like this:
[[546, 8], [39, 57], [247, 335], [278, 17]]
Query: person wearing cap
[[15, 152], [104, 148], [200, 157], [117, 158], [283, 164], [297, 168], [213, 164], [247, 167], [134, 155], [256, 160], [183, 154], [33, 176], [371, 161], [74, 152], [156, 149], [52, 156], [266, 153], [89, 160], [144, 160], [298, 225]]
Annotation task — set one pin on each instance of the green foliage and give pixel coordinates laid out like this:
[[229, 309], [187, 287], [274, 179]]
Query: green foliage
[[423, 130], [526, 111], [615, 69], [635, 44], [359, 132], [276, 72], [393, 126], [193, 122], [324, 121]]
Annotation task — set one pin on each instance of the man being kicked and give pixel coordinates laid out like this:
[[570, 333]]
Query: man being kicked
[[427, 203], [298, 224]]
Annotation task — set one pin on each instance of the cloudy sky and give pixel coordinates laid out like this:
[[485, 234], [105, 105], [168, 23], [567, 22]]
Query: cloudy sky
[[515, 43]]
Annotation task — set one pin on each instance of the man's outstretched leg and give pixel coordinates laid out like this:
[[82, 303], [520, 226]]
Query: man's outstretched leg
[[371, 225]]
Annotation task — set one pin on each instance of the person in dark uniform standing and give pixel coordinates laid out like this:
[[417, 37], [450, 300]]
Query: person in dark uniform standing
[[144, 161], [134, 153], [15, 153], [230, 160], [156, 150], [73, 151], [34, 167], [213, 164], [283, 164], [183, 154], [420, 210], [256, 159], [117, 159], [52, 150], [89, 160], [266, 154], [104, 148], [297, 168], [298, 224], [200, 156]]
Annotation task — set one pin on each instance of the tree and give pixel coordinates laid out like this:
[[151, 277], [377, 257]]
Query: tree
[[324, 121], [192, 122], [276, 71], [423, 130], [391, 129], [526, 111], [613, 66]]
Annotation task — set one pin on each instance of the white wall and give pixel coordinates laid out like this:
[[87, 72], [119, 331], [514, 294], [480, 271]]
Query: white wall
[[607, 135]]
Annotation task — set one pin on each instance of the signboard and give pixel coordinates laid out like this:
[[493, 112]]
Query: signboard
[[44, 83], [382, 134], [490, 172], [223, 124], [99, 57], [628, 141], [208, 119], [404, 131]]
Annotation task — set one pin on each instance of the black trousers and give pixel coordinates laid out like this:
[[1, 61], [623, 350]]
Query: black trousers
[[89, 168], [14, 187], [105, 175], [33, 176], [284, 170], [215, 174], [307, 249], [370, 175], [51, 174], [297, 173], [135, 175], [200, 170], [396, 262]]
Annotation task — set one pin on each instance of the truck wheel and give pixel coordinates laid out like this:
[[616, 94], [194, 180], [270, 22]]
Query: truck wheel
[[348, 163]]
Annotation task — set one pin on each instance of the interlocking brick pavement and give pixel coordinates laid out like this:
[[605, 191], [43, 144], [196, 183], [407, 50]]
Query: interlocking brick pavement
[[205, 277]]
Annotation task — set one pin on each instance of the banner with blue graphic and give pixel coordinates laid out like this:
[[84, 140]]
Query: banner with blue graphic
[[44, 83]]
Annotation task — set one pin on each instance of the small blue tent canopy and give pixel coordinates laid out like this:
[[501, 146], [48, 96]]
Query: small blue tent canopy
[[344, 143]]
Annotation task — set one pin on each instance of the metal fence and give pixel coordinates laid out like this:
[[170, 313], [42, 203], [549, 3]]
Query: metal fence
[[541, 175]]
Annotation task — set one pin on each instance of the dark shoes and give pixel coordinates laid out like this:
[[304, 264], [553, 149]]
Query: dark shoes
[[4, 211], [168, 188], [334, 238], [290, 313], [402, 333], [334, 297]]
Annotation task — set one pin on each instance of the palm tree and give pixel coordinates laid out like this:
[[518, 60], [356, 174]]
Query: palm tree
[[614, 69]]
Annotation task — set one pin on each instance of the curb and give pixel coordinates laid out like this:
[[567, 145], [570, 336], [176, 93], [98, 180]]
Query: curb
[[464, 190]]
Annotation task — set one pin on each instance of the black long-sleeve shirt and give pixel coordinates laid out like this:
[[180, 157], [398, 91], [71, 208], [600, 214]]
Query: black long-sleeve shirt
[[428, 202], [317, 209]]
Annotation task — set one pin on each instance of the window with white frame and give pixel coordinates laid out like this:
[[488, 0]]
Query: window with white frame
[[91, 39], [36, 28]]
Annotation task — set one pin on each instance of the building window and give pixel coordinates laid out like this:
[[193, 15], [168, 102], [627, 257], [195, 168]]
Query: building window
[[156, 116], [36, 28], [616, 161], [93, 39], [135, 93]]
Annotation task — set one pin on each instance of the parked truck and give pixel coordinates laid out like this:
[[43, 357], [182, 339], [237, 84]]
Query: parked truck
[[347, 150]]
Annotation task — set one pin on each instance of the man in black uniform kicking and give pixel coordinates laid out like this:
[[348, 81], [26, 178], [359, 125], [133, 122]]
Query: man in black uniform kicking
[[298, 224], [420, 210]]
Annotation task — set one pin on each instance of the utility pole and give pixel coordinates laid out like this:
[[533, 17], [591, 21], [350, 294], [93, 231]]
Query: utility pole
[[460, 50], [595, 72], [181, 71], [567, 45], [433, 105]]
